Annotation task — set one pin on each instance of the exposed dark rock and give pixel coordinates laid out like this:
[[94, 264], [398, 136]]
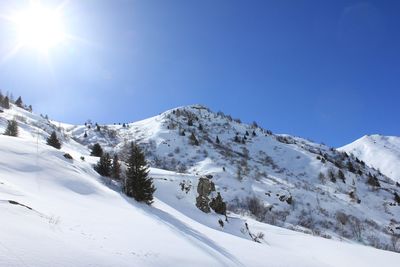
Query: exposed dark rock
[[204, 189]]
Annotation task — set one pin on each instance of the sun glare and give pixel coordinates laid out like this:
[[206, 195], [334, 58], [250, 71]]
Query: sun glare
[[39, 27]]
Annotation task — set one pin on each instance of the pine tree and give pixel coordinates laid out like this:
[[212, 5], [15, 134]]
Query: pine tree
[[218, 205], [341, 176], [332, 175], [138, 184], [397, 198], [239, 174], [217, 140], [5, 103], [97, 151], [12, 128], [322, 177], [19, 102], [373, 180], [193, 140], [53, 140], [116, 168], [104, 165], [350, 167]]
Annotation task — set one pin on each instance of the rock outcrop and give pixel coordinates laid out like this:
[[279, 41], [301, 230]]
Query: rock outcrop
[[205, 200], [204, 189]]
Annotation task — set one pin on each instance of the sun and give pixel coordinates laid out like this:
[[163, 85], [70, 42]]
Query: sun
[[39, 27]]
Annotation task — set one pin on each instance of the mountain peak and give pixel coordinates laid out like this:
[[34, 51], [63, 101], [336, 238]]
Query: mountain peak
[[379, 151]]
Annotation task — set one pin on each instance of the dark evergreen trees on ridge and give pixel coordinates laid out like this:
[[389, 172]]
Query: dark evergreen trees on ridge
[[5, 103], [218, 205], [97, 151], [12, 128], [19, 102], [138, 184], [53, 141], [341, 176], [104, 165], [193, 140]]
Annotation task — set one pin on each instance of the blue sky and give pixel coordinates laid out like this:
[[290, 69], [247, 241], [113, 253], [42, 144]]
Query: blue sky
[[325, 70]]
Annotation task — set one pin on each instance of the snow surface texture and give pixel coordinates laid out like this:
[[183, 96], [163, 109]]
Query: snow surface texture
[[380, 152], [59, 212]]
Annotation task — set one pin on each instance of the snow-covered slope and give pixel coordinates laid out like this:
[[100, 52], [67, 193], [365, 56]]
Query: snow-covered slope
[[378, 151], [296, 181], [59, 212]]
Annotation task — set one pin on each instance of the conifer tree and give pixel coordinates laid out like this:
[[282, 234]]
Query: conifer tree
[[350, 167], [193, 140], [138, 184], [341, 176], [322, 177], [218, 205], [104, 165], [12, 128], [397, 198], [217, 140], [116, 168], [373, 180], [332, 175], [19, 102], [5, 103], [97, 151], [53, 140]]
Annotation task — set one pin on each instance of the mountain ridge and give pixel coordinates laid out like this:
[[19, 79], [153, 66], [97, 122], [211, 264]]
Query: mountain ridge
[[272, 178], [379, 151]]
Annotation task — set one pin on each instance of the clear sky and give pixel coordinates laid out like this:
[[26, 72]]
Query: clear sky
[[324, 70]]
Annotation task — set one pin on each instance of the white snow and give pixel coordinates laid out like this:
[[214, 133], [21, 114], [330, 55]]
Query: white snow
[[378, 151], [78, 218]]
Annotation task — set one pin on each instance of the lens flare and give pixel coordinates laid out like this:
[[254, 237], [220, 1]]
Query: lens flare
[[39, 27]]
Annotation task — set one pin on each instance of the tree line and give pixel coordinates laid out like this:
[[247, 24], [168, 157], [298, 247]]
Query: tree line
[[136, 182]]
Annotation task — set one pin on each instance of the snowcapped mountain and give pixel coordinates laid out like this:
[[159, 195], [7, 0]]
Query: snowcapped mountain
[[50, 203], [378, 151]]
